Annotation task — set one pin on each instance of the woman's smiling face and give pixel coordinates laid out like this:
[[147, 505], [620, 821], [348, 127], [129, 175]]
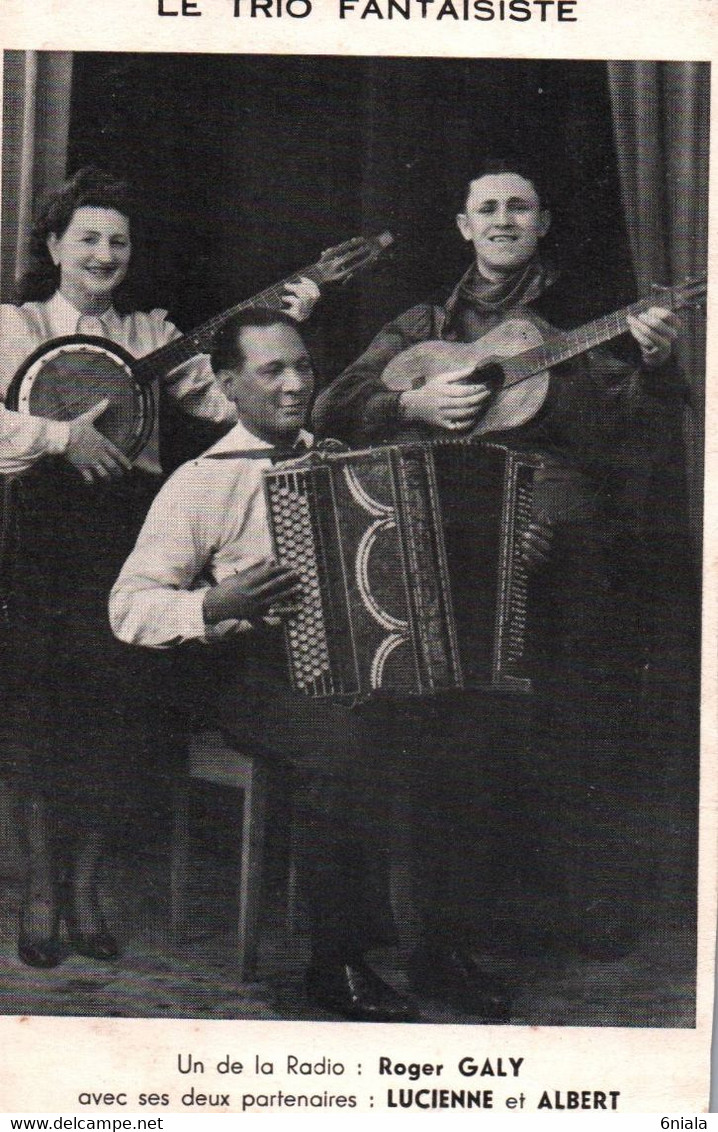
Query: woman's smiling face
[[93, 254]]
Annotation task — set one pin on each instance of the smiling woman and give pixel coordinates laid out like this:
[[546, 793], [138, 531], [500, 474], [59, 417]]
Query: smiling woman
[[78, 729], [70, 738], [92, 255]]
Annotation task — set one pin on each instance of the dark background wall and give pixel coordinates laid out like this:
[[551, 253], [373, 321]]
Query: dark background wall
[[248, 166]]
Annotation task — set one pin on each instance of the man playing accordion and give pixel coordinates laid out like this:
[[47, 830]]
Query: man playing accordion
[[201, 572]]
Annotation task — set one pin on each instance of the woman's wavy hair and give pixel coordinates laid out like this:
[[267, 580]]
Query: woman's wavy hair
[[89, 186]]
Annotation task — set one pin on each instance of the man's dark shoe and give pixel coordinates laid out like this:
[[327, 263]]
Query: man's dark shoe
[[451, 975], [353, 990]]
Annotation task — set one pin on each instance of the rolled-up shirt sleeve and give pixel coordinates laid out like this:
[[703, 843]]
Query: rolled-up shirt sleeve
[[158, 599], [193, 384], [24, 440]]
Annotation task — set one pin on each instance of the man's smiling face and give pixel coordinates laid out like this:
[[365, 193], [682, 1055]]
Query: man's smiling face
[[273, 384], [504, 221]]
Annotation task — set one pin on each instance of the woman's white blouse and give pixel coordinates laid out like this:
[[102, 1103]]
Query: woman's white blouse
[[24, 439]]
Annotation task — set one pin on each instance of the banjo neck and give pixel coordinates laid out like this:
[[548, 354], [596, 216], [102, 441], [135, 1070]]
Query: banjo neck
[[163, 360], [69, 375]]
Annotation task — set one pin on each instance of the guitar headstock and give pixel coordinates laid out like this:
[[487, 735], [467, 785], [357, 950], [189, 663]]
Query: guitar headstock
[[692, 293], [339, 264]]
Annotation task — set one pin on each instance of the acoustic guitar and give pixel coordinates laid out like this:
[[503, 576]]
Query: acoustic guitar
[[66, 376], [515, 357]]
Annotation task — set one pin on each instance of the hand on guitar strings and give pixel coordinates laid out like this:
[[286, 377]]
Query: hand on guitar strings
[[252, 592], [300, 298], [536, 542], [655, 331], [94, 456], [444, 402]]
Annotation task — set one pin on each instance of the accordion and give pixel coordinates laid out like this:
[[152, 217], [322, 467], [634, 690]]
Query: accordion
[[413, 580]]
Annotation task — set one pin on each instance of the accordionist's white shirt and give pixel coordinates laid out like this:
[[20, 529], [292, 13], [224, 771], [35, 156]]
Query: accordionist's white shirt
[[23, 440], [209, 521]]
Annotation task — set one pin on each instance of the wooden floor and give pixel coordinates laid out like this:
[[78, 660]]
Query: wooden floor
[[157, 977]]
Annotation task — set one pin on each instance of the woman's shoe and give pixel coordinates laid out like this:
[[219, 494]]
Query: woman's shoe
[[35, 949], [97, 944], [100, 945]]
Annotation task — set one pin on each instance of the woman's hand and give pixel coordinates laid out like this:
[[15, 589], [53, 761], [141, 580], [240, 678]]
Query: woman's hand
[[94, 456], [300, 298], [655, 331]]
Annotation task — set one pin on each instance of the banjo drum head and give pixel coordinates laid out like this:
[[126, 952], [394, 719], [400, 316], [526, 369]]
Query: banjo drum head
[[68, 376]]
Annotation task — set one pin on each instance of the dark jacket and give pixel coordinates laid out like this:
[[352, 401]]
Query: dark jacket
[[598, 416]]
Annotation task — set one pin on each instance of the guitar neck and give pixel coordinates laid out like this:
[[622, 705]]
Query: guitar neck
[[162, 361], [561, 347]]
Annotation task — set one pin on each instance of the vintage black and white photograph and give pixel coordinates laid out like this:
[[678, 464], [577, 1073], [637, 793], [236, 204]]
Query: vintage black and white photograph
[[351, 452]]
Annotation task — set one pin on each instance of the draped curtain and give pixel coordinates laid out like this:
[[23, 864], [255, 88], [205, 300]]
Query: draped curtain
[[36, 118], [661, 116], [661, 119]]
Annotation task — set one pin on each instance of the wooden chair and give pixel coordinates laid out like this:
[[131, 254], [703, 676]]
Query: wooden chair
[[212, 758], [215, 759]]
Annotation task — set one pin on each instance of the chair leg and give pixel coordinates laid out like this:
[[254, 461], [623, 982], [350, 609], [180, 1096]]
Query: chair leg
[[253, 814], [179, 866], [296, 838], [401, 891]]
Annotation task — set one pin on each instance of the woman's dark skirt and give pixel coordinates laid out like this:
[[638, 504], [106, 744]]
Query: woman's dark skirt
[[82, 711]]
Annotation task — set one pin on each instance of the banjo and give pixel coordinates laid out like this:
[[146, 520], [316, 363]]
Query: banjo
[[66, 376]]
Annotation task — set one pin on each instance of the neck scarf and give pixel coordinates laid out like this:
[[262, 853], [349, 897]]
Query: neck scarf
[[519, 289]]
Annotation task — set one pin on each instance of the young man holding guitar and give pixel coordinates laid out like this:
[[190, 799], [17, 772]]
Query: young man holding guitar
[[505, 221], [489, 363]]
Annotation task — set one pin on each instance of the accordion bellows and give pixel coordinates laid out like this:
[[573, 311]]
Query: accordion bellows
[[412, 576]]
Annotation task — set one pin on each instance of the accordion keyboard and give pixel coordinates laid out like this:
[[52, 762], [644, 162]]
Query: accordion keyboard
[[290, 515]]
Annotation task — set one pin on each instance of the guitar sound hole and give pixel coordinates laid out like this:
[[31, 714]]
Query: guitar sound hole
[[492, 376]]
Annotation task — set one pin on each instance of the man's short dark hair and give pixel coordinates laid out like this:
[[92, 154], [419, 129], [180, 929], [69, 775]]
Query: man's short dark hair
[[493, 166], [227, 350]]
